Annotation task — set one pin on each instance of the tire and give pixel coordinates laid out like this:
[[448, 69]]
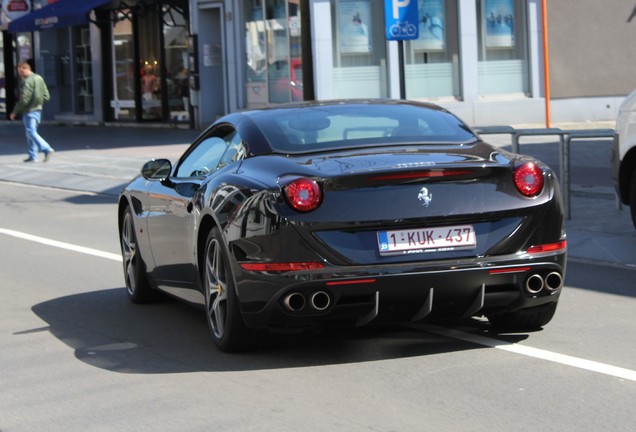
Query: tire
[[221, 303], [632, 198], [525, 320], [137, 284]]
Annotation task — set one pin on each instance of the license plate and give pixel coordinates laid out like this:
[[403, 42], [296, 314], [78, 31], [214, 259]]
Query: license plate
[[437, 239]]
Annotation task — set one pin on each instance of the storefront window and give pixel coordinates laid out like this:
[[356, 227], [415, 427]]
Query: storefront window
[[503, 57], [24, 49], [150, 67], [159, 76], [123, 103], [432, 69], [359, 49], [83, 70], [175, 37], [273, 52]]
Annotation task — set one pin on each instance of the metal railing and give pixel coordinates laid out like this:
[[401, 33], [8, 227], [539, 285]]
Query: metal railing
[[565, 138]]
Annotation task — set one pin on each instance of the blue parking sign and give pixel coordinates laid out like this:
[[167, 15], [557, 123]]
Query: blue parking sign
[[401, 19]]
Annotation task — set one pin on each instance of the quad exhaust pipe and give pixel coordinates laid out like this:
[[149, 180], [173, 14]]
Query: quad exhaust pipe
[[553, 281], [320, 300], [296, 301], [536, 282]]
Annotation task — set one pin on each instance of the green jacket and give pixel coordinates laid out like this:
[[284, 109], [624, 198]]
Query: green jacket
[[33, 94]]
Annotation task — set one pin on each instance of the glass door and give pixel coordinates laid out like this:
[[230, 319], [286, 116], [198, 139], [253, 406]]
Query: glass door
[[176, 42], [123, 101], [149, 37], [83, 70], [150, 61]]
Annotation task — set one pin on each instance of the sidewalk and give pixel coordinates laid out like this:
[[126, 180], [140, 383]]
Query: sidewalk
[[104, 159], [88, 158]]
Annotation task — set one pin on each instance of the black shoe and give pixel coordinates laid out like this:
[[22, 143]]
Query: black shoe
[[30, 160], [48, 154]]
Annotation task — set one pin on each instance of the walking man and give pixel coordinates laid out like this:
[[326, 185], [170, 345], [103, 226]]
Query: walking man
[[33, 94]]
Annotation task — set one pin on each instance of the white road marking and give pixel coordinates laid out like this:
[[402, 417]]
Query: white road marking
[[563, 359], [61, 245], [537, 353]]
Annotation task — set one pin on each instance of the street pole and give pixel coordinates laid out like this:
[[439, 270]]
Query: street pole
[[402, 75], [401, 23], [546, 62]]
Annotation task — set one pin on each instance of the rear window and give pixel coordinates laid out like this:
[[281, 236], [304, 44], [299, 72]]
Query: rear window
[[323, 127]]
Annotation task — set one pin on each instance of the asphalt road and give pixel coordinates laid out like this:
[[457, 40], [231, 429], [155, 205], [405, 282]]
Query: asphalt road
[[75, 355]]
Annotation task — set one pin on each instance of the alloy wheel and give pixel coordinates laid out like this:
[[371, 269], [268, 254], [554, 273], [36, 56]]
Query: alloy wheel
[[216, 289], [129, 253]]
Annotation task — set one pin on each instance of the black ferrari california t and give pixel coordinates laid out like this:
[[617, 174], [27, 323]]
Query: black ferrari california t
[[345, 213]]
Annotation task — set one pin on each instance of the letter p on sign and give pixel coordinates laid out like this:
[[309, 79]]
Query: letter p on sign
[[397, 5]]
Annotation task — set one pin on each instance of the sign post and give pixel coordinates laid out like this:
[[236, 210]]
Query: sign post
[[401, 19]]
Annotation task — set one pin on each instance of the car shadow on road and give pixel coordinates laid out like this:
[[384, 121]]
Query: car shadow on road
[[107, 197], [105, 330]]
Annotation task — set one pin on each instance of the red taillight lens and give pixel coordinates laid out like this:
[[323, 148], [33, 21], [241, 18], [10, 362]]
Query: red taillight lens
[[281, 266], [550, 247], [303, 194], [351, 282], [529, 179], [509, 270]]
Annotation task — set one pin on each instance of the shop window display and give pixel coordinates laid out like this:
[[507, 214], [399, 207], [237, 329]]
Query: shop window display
[[432, 60], [175, 37], [273, 52], [503, 57], [359, 49]]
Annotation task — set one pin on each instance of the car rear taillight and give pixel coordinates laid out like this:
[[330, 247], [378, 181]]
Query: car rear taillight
[[529, 179], [303, 194], [281, 266], [550, 247]]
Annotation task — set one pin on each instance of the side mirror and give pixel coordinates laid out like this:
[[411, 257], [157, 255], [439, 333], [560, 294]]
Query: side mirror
[[156, 169]]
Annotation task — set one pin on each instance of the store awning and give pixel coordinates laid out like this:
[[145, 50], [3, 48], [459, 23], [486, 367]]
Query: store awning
[[62, 13]]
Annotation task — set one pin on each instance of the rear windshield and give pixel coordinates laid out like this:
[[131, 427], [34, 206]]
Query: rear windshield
[[324, 127]]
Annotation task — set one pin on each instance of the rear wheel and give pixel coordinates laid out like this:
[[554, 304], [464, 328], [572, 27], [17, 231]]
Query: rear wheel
[[524, 320], [222, 310], [137, 283], [632, 198]]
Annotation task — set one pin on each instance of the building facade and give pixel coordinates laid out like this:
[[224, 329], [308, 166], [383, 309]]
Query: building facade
[[188, 62], [107, 61]]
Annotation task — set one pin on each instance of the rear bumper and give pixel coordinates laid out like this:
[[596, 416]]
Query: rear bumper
[[404, 293]]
